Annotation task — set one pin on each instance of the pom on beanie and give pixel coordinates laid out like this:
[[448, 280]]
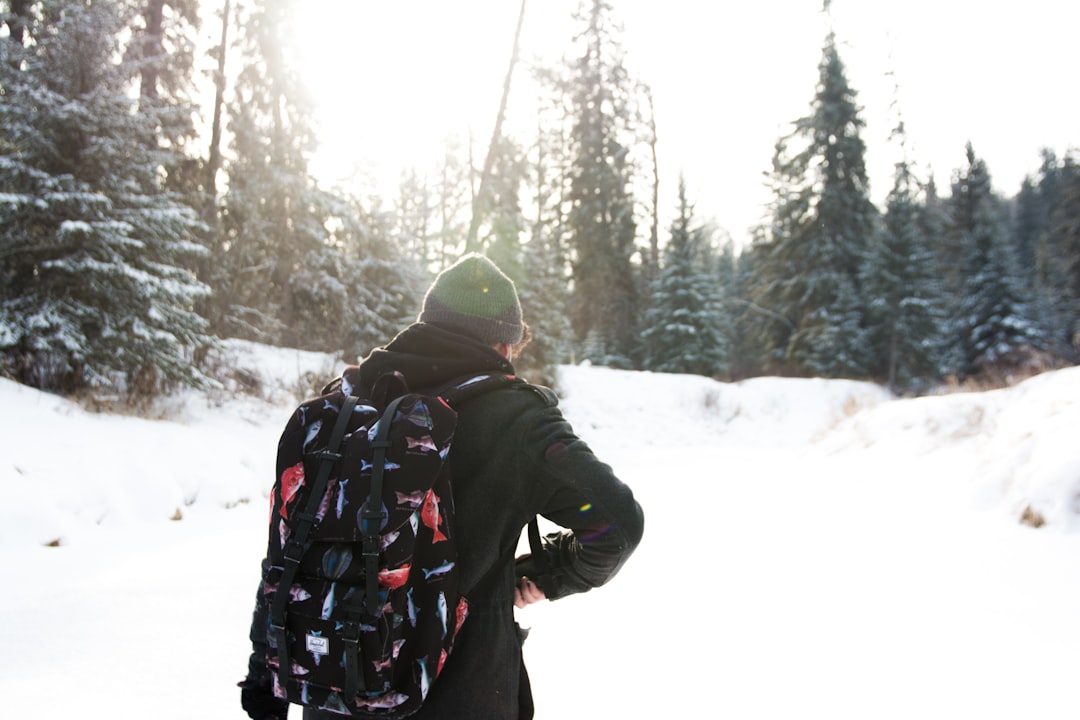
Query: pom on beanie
[[475, 298]]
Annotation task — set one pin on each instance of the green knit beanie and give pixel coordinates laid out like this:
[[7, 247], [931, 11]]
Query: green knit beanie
[[475, 298]]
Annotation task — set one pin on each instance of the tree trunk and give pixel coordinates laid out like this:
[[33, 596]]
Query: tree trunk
[[153, 14], [489, 161], [213, 161], [654, 230]]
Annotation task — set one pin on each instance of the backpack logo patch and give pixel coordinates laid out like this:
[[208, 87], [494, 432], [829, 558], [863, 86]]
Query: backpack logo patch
[[317, 645]]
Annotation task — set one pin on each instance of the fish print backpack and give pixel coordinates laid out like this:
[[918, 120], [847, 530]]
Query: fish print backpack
[[362, 584]]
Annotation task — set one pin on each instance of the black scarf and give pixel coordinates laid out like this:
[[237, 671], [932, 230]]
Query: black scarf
[[430, 356]]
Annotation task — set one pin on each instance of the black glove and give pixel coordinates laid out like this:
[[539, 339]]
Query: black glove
[[257, 697], [545, 570]]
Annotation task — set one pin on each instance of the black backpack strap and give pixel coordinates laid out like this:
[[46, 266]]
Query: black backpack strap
[[373, 515], [297, 543], [536, 546], [463, 389]]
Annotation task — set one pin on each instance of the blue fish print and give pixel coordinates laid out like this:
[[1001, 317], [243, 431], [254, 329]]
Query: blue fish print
[[425, 677], [420, 416], [365, 466], [411, 607], [440, 570], [441, 605], [341, 501], [373, 431], [334, 704], [336, 561], [328, 604], [313, 430]]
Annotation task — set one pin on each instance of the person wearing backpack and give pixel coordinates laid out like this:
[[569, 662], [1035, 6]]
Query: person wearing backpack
[[513, 457]]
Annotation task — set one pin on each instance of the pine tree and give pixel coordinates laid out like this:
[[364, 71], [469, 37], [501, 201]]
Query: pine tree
[[502, 239], [452, 206], [682, 332], [94, 251], [163, 50], [730, 282], [415, 211], [1041, 249], [273, 214], [604, 305], [383, 286], [905, 317], [1062, 253], [545, 277], [544, 299], [810, 256], [992, 315]]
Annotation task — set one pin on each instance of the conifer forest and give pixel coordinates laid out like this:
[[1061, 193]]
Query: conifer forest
[[143, 219]]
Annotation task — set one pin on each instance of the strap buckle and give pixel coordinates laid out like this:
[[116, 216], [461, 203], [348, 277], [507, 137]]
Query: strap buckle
[[366, 517], [294, 551], [327, 454]]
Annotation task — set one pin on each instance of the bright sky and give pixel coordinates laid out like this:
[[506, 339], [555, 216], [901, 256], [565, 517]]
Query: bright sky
[[395, 79]]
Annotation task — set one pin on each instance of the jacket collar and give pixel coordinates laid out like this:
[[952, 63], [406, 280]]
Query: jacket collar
[[430, 356]]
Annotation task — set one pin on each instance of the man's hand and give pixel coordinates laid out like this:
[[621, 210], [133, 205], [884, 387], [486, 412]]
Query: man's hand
[[526, 593]]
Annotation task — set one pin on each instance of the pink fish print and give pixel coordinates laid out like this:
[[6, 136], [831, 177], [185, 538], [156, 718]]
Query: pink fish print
[[462, 612], [394, 579], [424, 443], [429, 514], [292, 479], [390, 700]]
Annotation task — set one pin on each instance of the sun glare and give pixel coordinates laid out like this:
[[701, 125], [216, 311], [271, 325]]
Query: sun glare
[[393, 86], [395, 80]]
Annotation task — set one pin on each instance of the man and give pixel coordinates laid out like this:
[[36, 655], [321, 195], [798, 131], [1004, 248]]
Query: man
[[514, 456]]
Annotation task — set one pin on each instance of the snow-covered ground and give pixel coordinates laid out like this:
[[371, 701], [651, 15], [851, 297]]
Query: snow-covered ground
[[812, 548]]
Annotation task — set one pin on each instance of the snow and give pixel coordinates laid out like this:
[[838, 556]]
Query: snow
[[812, 547]]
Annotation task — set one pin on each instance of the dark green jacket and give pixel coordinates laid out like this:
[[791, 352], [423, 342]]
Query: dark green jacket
[[514, 456]]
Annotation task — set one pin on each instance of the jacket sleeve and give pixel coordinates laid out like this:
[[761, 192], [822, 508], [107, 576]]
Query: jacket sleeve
[[602, 521]]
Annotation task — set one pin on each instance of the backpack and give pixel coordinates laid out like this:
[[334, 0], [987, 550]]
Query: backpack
[[362, 578]]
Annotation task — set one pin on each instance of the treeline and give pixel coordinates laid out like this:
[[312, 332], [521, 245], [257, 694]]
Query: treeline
[[129, 242]]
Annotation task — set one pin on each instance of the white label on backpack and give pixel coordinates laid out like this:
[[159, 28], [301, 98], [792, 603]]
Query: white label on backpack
[[318, 645]]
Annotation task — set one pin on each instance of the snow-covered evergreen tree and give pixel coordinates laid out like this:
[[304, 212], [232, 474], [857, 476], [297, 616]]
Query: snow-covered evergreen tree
[[500, 237], [992, 315], [808, 261], [682, 327], [1041, 227], [1066, 227], [273, 214], [356, 291], [451, 206], [427, 227], [544, 294], [94, 251], [905, 322], [604, 304], [731, 276], [545, 279]]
